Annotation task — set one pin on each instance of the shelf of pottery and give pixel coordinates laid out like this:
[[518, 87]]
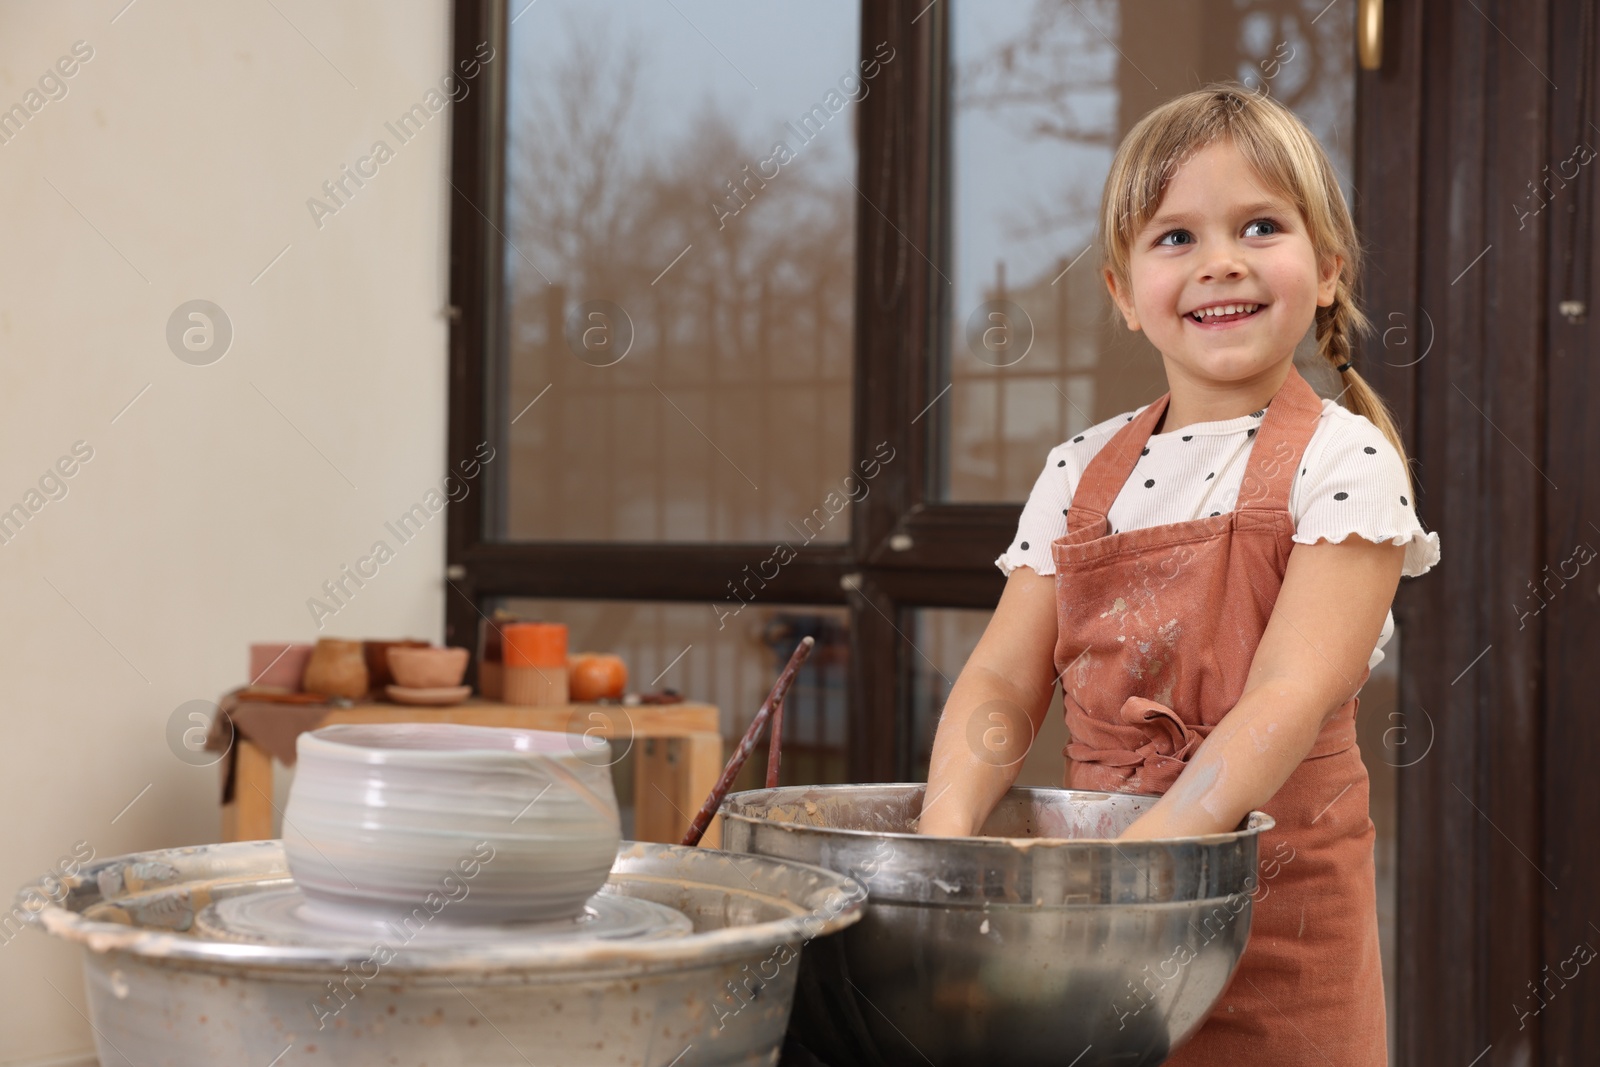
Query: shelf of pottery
[[527, 679]]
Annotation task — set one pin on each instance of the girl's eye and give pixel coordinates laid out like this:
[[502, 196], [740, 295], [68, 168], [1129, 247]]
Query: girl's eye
[[1189, 238]]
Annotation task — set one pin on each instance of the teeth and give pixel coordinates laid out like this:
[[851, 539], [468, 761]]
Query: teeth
[[1223, 309]]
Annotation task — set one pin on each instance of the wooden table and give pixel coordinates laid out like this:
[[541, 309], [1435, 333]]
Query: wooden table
[[677, 752]]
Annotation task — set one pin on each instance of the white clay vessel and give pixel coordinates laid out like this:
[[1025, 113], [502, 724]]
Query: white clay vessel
[[387, 817]]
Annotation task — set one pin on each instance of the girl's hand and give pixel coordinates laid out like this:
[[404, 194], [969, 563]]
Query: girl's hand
[[1145, 828]]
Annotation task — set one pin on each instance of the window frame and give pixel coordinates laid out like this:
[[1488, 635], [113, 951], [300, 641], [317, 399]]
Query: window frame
[[904, 550]]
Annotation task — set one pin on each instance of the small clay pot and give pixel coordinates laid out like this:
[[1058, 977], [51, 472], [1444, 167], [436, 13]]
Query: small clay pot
[[428, 668], [336, 669], [278, 666], [377, 654]]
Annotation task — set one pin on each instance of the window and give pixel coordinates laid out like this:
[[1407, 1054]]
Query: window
[[679, 264], [727, 376]]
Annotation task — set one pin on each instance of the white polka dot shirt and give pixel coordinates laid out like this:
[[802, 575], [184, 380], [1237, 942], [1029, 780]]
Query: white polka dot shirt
[[1351, 481]]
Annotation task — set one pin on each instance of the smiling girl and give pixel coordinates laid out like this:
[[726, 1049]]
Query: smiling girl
[[1209, 576]]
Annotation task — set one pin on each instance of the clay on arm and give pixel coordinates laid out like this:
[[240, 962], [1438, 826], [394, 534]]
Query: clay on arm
[[1311, 660], [994, 709]]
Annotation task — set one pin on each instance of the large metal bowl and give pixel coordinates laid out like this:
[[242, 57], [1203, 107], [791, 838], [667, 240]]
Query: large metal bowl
[[161, 992], [1042, 941]]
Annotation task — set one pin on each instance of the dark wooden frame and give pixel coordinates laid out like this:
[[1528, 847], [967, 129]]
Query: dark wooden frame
[[1568, 714], [899, 215], [1466, 112], [1452, 128]]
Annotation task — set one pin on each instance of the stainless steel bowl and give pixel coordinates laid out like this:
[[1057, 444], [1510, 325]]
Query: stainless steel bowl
[[1042, 941], [165, 991]]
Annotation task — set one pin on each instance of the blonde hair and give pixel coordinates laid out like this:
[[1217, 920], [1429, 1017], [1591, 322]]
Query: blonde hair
[[1287, 157]]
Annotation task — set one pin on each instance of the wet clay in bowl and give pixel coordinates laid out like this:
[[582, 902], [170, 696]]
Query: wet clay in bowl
[[382, 817]]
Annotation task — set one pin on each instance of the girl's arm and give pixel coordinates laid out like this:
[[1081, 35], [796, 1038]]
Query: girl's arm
[[1310, 661], [995, 709]]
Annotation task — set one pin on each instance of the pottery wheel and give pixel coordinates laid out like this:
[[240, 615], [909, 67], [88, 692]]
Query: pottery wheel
[[287, 917]]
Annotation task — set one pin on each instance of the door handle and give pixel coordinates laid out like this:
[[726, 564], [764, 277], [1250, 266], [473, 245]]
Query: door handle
[[1369, 34]]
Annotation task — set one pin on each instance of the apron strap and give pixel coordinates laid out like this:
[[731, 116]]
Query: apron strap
[[1110, 469], [1285, 431]]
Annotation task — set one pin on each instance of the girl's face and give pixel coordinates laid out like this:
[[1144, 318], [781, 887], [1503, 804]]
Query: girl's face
[[1220, 236]]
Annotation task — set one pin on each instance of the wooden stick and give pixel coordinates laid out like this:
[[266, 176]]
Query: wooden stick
[[774, 757], [747, 744]]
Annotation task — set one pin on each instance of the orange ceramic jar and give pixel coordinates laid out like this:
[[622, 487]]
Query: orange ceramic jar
[[535, 644]]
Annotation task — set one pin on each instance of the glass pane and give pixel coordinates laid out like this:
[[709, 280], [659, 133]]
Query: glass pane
[[680, 234], [944, 638], [681, 647], [1043, 92], [1389, 740]]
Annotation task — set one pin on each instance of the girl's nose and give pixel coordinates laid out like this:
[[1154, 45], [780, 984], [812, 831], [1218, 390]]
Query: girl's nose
[[1224, 264]]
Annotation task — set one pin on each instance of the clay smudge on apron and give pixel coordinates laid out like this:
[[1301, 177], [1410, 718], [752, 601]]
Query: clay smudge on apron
[[1118, 607], [1156, 653]]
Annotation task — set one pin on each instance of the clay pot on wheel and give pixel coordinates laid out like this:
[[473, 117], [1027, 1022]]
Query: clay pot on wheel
[[398, 805], [337, 668]]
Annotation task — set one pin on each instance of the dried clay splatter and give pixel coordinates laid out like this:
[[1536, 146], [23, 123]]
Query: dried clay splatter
[[1145, 664], [1261, 742], [1211, 801], [1204, 781]]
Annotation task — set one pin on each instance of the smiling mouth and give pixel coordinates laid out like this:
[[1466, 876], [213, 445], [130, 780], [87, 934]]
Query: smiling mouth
[[1224, 314]]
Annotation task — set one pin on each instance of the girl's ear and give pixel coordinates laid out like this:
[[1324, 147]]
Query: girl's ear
[[1123, 299], [1328, 282]]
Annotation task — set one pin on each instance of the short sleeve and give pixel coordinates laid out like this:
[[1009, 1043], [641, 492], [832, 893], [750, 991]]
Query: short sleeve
[[1044, 516], [1355, 483]]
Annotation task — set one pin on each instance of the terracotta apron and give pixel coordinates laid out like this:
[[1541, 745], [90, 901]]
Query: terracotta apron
[[1157, 631]]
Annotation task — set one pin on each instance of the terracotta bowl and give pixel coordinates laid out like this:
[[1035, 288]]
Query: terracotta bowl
[[382, 815], [377, 656], [428, 668]]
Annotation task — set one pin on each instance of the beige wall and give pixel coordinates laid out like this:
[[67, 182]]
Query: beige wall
[[191, 141]]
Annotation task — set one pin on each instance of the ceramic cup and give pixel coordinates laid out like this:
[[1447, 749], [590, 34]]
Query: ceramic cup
[[279, 666], [428, 668], [336, 668], [377, 656], [469, 824]]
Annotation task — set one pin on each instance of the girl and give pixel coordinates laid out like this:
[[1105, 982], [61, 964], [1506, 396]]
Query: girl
[[1209, 575]]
